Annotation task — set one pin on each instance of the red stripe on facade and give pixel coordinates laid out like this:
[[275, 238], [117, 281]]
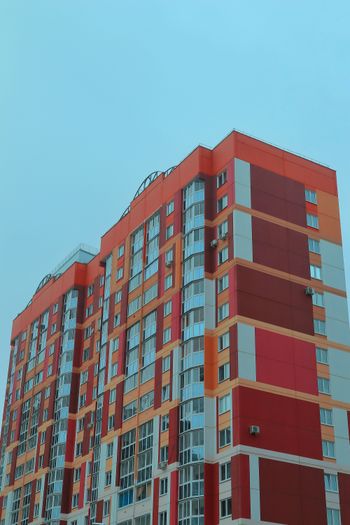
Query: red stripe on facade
[[211, 493], [240, 486]]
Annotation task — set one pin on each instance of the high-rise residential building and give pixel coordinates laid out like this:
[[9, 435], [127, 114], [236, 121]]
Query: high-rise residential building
[[196, 370]]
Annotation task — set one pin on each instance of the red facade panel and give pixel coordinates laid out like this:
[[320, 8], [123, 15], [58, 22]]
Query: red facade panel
[[277, 195], [173, 435], [344, 497], [286, 424], [292, 494], [211, 493], [285, 361], [273, 300], [280, 248], [240, 485], [158, 383]]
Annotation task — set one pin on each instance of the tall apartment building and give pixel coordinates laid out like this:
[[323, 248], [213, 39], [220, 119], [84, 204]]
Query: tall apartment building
[[196, 370]]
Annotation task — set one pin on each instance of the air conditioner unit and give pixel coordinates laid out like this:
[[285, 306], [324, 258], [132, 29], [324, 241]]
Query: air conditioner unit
[[254, 430], [214, 243], [90, 425], [223, 237], [309, 290], [163, 465], [168, 264]]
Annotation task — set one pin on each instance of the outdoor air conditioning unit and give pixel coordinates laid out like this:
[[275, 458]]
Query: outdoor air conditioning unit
[[168, 264], [254, 430], [214, 243], [163, 465], [309, 290], [223, 237], [90, 425]]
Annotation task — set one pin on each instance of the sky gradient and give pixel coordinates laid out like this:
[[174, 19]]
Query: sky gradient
[[96, 95]]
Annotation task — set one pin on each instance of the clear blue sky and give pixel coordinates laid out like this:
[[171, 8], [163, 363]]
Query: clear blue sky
[[94, 95]]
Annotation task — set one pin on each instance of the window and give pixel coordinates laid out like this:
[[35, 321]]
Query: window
[[169, 257], [54, 311], [166, 363], [169, 232], [75, 500], [134, 305], [314, 246], [223, 341], [315, 271], [113, 395], [224, 437], [150, 294], [224, 404], [322, 355], [163, 486], [78, 448], [108, 478], [118, 297], [86, 354], [143, 520], [100, 301], [110, 423], [223, 230], [109, 449], [225, 508], [222, 283], [117, 320], [146, 401], [221, 203], [331, 482], [323, 385], [167, 308], [130, 410], [328, 449], [164, 423], [53, 328], [318, 299], [163, 518], [165, 392], [223, 255], [310, 196], [166, 335], [121, 250], [312, 220], [77, 474], [52, 349], [170, 208], [106, 508], [90, 290], [163, 453], [120, 273], [221, 179], [223, 312], [80, 424], [333, 516], [326, 416], [225, 471], [84, 377], [102, 280], [89, 310], [168, 281], [319, 327], [82, 400], [115, 344], [36, 510], [224, 372]]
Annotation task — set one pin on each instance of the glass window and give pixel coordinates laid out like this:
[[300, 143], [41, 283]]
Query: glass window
[[326, 416], [168, 281], [223, 255], [224, 437], [318, 299], [312, 220], [223, 341], [331, 482], [319, 326], [315, 271], [166, 363], [169, 232], [225, 471], [221, 179], [323, 385], [170, 208], [224, 372], [322, 355], [167, 308], [222, 203], [314, 246], [166, 335], [223, 312], [333, 516], [121, 250], [225, 508], [328, 449], [224, 404], [310, 196], [222, 283]]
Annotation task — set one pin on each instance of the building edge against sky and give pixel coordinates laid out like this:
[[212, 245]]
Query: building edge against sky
[[196, 370]]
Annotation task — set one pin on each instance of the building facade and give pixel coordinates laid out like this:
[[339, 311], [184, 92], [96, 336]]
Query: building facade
[[196, 370]]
